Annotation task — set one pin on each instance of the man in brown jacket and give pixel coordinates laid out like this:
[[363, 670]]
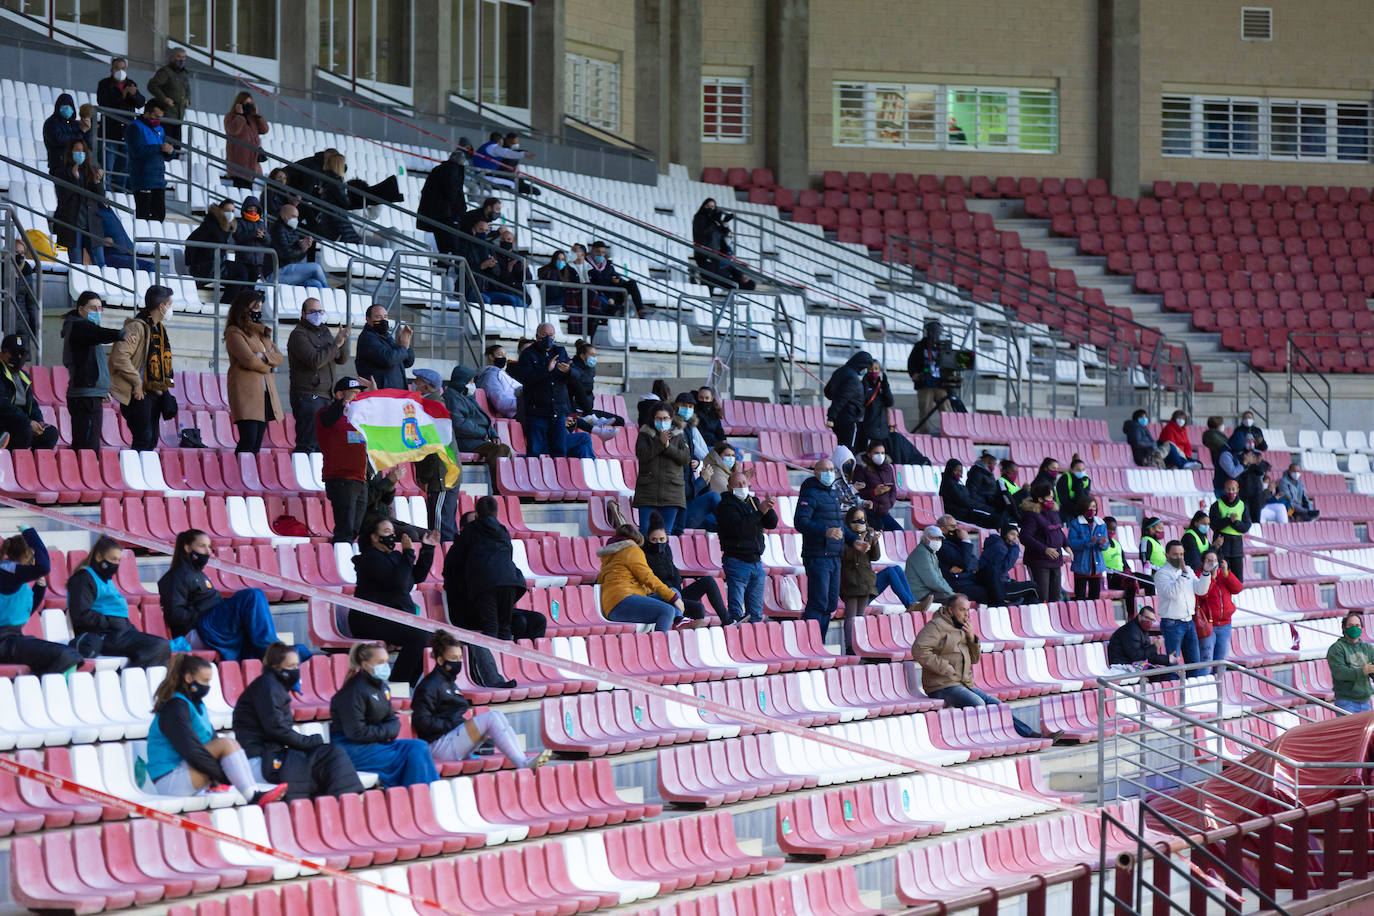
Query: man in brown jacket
[[947, 649], [313, 351]]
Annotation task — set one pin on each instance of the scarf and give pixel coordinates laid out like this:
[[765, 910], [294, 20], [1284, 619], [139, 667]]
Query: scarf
[[157, 373]]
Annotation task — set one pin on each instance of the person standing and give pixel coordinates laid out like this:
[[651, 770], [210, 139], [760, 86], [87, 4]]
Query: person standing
[[858, 581], [21, 420], [1230, 518], [1351, 661], [1047, 546], [99, 614], [60, 131], [1088, 541], [923, 365], [277, 753], [313, 352], [88, 372], [117, 92], [140, 368], [845, 390], [474, 433], [1119, 574], [741, 519], [663, 455], [442, 202], [387, 576], [253, 358], [1215, 611], [243, 125], [1177, 588], [345, 461], [544, 370], [78, 222], [876, 425], [820, 521], [24, 568], [363, 722], [145, 143], [382, 357], [482, 585], [172, 83]]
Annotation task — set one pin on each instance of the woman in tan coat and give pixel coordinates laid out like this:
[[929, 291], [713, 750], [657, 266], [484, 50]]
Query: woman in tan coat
[[253, 357], [243, 125]]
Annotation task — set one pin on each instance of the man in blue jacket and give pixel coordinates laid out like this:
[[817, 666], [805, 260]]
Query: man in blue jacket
[[820, 520], [545, 371], [382, 357], [1000, 553], [148, 151]]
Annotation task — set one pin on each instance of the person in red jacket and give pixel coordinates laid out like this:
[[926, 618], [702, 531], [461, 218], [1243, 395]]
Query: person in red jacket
[[345, 461], [1174, 438], [1215, 610]]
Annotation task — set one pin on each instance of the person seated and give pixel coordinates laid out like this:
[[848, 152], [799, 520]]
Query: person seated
[[602, 272], [487, 283], [875, 479], [923, 574], [21, 420], [1009, 495], [1247, 435], [957, 501], [276, 752], [24, 568], [363, 722], [1000, 553], [1131, 648], [958, 563], [501, 388], [444, 718], [184, 756], [709, 485], [387, 576], [511, 267], [251, 232], [1292, 489], [711, 239], [901, 450], [1173, 439], [293, 249], [100, 615], [630, 592], [1072, 488], [1214, 439], [560, 290], [659, 554], [1145, 451], [1229, 466], [1048, 474], [981, 479], [523, 624], [207, 263], [236, 627]]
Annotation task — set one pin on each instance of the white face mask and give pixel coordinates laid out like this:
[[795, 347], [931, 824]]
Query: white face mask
[[877, 459], [315, 318], [1180, 421], [120, 75], [1247, 422], [292, 223], [740, 492], [470, 388]]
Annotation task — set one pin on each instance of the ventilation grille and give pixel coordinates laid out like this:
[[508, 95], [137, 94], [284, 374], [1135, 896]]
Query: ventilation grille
[[1256, 23]]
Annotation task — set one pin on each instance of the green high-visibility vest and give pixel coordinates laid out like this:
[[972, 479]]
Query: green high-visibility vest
[[1231, 514], [1198, 539], [1153, 551], [1111, 556]]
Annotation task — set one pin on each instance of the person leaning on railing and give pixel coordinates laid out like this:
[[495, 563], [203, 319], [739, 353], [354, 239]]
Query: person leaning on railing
[[1351, 661]]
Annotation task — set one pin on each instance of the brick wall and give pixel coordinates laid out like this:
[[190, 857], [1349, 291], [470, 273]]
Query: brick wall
[[733, 44], [605, 29]]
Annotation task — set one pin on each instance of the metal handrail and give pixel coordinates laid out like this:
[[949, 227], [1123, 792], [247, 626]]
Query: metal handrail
[[14, 278], [1319, 401]]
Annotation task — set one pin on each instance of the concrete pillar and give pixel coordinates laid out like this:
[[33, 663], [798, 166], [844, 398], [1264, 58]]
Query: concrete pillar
[[148, 23], [653, 35], [684, 88], [548, 33], [785, 93], [434, 54], [1118, 98], [298, 42]]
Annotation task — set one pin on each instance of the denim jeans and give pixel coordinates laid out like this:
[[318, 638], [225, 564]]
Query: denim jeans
[[644, 609], [546, 436], [1351, 707], [743, 588], [822, 590], [1175, 458], [1205, 647], [701, 511], [302, 273], [669, 514], [1180, 635], [1221, 649], [961, 697], [889, 523], [894, 577]]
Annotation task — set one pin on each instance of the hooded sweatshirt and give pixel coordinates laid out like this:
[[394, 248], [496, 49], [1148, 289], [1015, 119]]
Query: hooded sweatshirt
[[471, 425], [846, 389], [59, 132]]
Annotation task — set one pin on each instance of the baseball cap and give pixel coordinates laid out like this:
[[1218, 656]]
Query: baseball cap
[[428, 376], [348, 383], [934, 533], [15, 343]]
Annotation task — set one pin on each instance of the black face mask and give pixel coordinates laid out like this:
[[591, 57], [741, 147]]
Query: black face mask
[[499, 362], [507, 245], [198, 560], [289, 678], [197, 692], [104, 569], [450, 669], [655, 549], [255, 317], [544, 343], [381, 327], [389, 541], [178, 65]]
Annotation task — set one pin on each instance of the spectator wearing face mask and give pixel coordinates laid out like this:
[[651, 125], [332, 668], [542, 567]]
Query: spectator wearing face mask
[[1230, 519], [957, 500], [582, 390], [172, 83], [1047, 475], [981, 480], [602, 272], [253, 358], [208, 264], [558, 284], [1248, 435], [1173, 438], [77, 220], [473, 432], [24, 568], [875, 425], [821, 523], [363, 722], [958, 562], [251, 232], [546, 372], [630, 592], [1294, 490], [685, 420], [442, 203], [1009, 495], [293, 249], [923, 570], [1130, 647], [1047, 546], [498, 384], [145, 142], [742, 519], [710, 418], [710, 484], [858, 581], [1351, 661], [1145, 451], [184, 756], [314, 354], [387, 576], [383, 357], [1119, 574], [278, 754], [1215, 611], [60, 130], [1152, 544], [845, 390], [999, 555], [21, 421], [243, 125], [444, 718], [1071, 488], [876, 481], [1088, 541], [1178, 588], [117, 92], [659, 555], [664, 455], [1214, 439], [1195, 540], [88, 375], [236, 627], [100, 614]]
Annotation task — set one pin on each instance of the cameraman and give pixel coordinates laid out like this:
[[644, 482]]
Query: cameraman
[[711, 237], [924, 368]]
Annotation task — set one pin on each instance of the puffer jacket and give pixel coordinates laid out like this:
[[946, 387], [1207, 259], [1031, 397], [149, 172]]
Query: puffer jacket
[[1087, 554], [846, 390], [818, 510], [361, 711], [1041, 530], [946, 653], [1218, 606], [624, 572], [437, 707], [1141, 442], [868, 477], [660, 481]]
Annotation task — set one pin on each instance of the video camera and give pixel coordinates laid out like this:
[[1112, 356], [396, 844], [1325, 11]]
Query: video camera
[[952, 363]]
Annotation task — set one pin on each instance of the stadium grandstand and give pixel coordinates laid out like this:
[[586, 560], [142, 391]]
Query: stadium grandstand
[[867, 458]]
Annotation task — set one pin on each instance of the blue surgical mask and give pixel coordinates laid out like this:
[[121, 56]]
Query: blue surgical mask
[[93, 317], [591, 362], [315, 318], [382, 672], [1202, 528], [599, 260], [1078, 475], [728, 461], [663, 425], [560, 264], [827, 478], [79, 157], [66, 111], [685, 412], [1144, 421]]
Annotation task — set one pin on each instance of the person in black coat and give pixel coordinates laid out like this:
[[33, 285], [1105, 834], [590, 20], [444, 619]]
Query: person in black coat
[[545, 369], [710, 414], [846, 393], [386, 576], [482, 584], [957, 500], [982, 481], [712, 239], [442, 716], [1000, 553], [382, 356], [363, 722], [87, 363], [659, 554], [1130, 645], [442, 203], [265, 728], [100, 614], [877, 404], [218, 228]]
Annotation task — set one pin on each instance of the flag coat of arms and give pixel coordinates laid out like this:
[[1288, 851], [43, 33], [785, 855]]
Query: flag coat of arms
[[400, 427]]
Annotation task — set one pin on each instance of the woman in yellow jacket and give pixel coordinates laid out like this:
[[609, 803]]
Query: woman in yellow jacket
[[630, 592]]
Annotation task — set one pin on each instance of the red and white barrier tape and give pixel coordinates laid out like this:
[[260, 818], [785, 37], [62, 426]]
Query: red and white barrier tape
[[64, 784]]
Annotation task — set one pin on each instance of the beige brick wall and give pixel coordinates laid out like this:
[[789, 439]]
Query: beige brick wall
[[1320, 50], [606, 29], [733, 37]]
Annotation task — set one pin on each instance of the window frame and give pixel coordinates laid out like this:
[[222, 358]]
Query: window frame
[[594, 104], [716, 134], [1285, 129], [883, 115]]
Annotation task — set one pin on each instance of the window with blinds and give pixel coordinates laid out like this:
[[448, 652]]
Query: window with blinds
[[726, 109], [1277, 129], [592, 90]]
